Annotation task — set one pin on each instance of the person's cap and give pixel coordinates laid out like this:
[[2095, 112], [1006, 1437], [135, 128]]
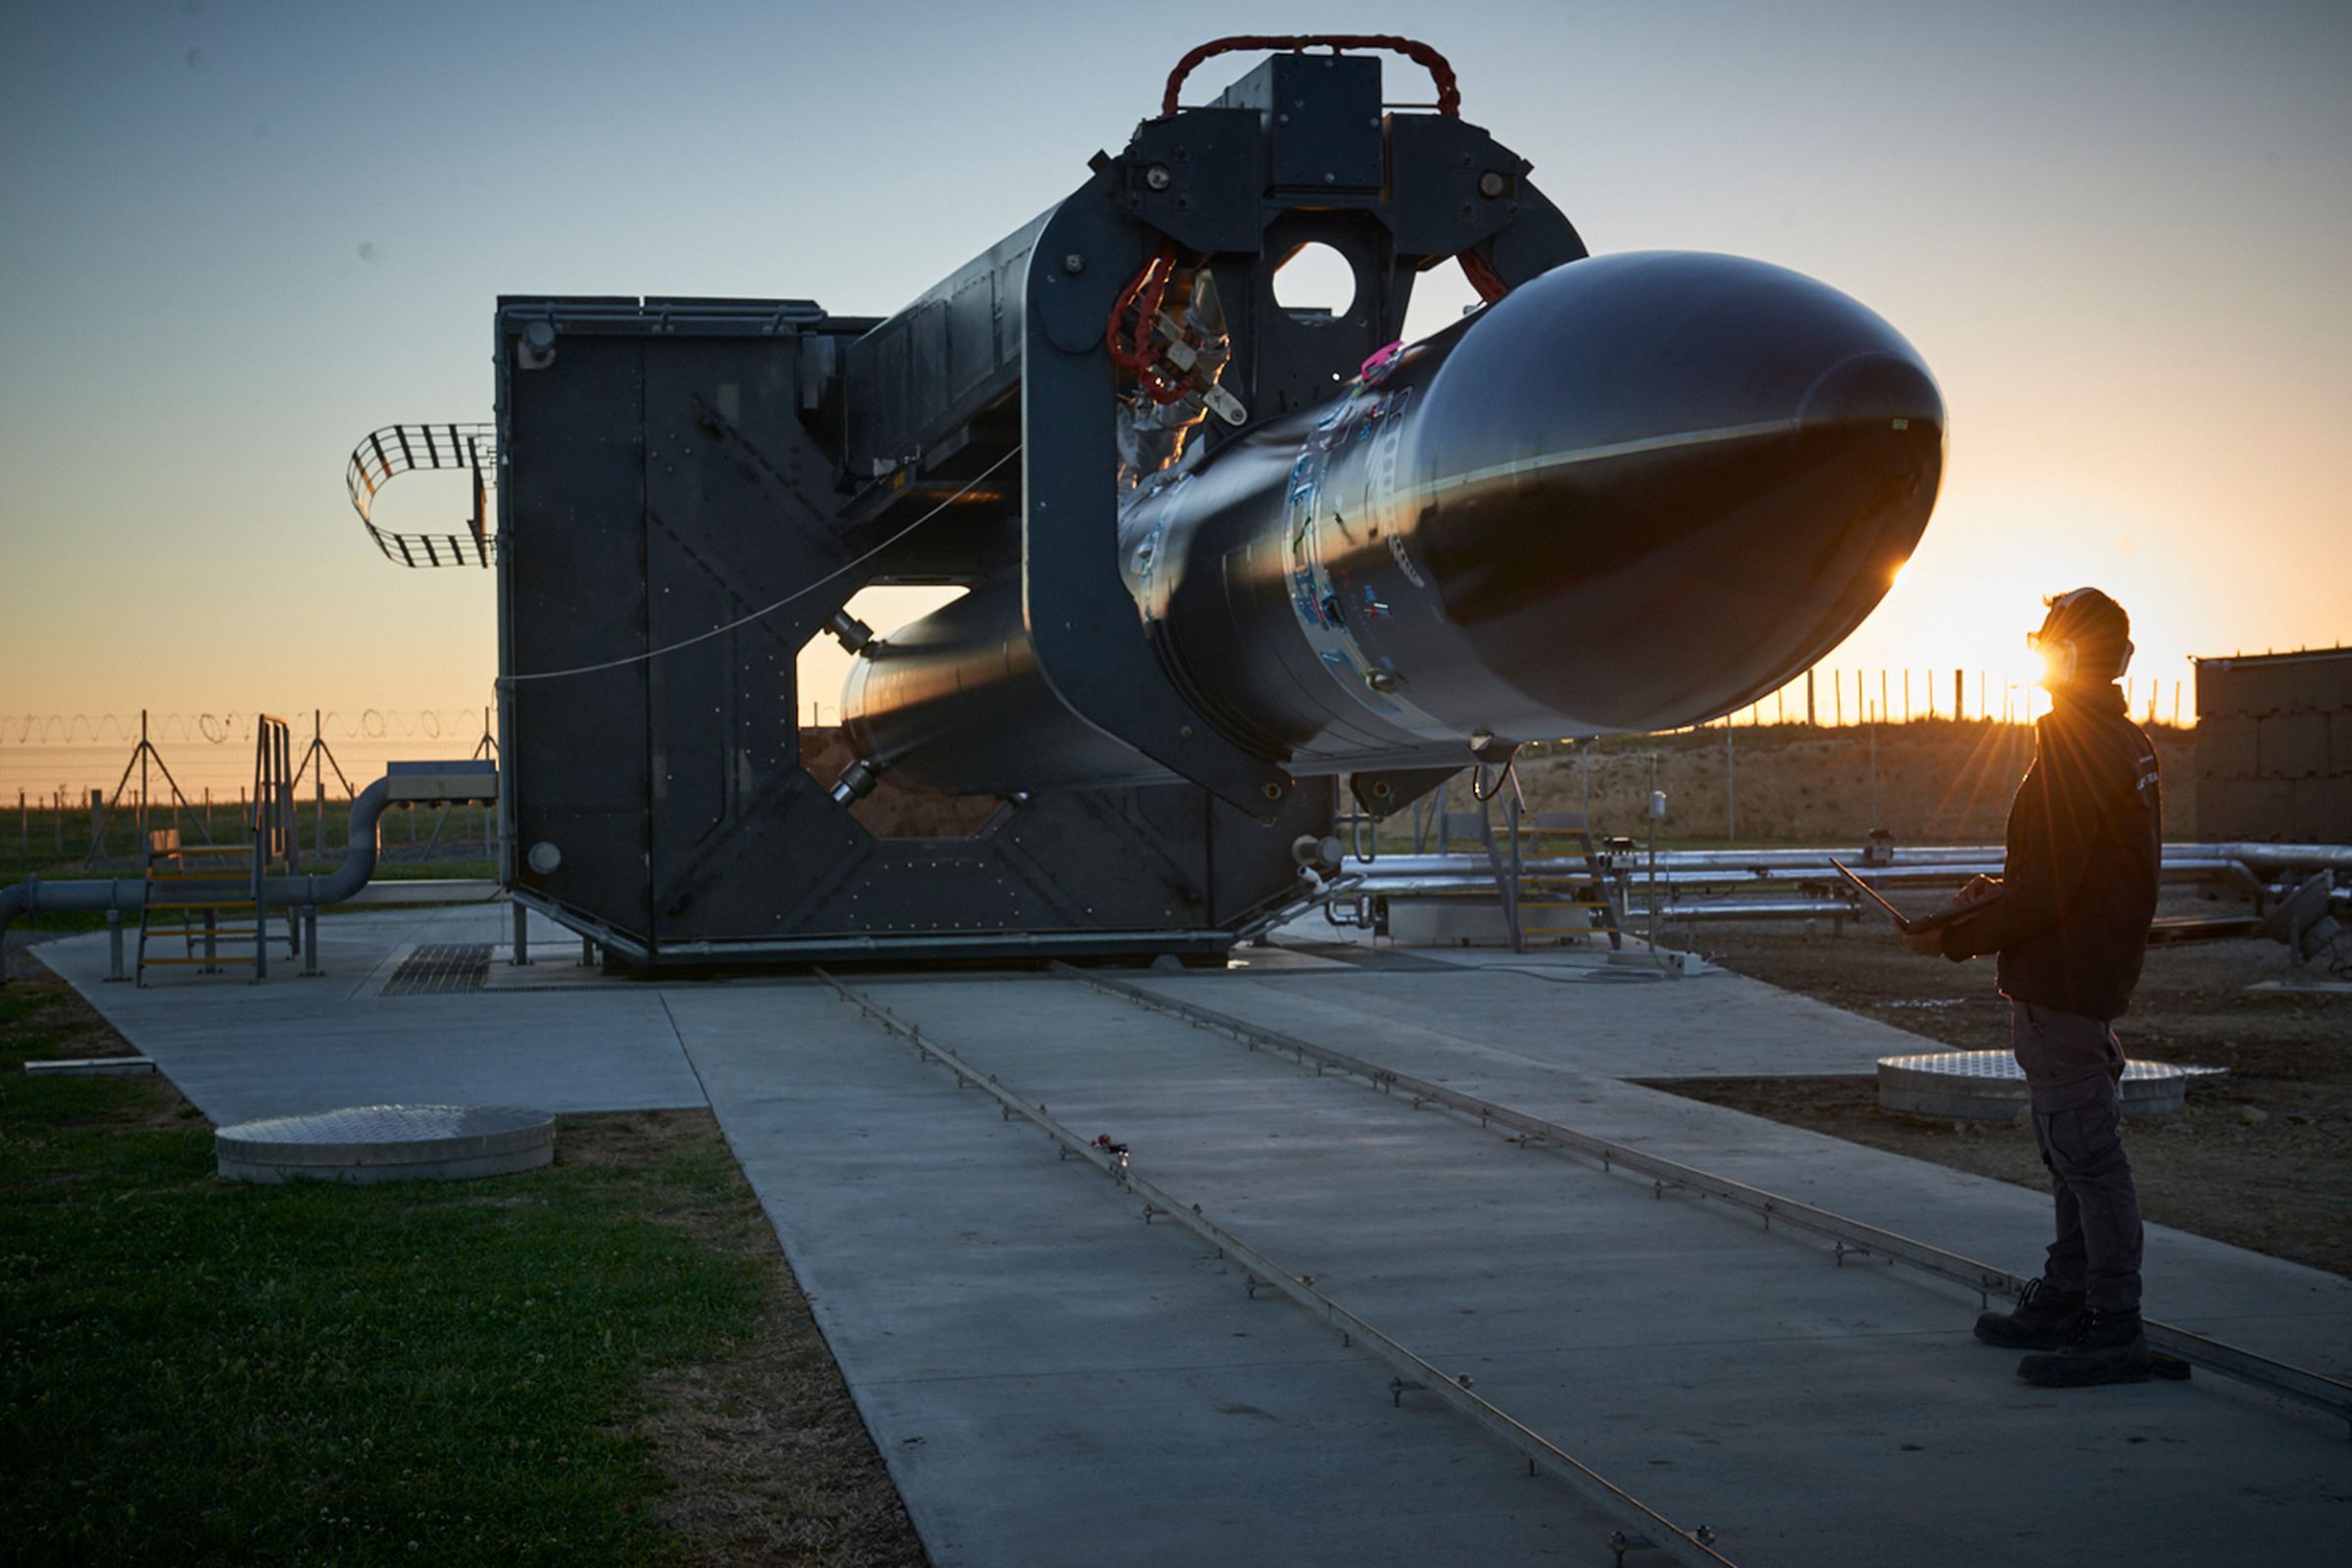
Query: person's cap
[[2097, 628]]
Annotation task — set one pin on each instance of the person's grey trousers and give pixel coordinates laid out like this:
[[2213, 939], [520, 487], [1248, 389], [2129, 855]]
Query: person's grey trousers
[[2073, 1067]]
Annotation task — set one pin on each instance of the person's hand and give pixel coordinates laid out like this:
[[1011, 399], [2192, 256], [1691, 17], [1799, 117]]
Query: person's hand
[[1927, 943], [1978, 887]]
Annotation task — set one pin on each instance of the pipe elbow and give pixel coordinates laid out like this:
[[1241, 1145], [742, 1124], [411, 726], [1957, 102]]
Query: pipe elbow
[[359, 860]]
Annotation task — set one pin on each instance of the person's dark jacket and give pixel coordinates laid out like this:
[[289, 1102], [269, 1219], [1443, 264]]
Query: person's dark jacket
[[2079, 883]]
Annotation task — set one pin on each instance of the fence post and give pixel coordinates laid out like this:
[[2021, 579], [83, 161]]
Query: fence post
[[1959, 696], [142, 840], [1809, 719], [318, 761], [1874, 775], [24, 824], [97, 818], [1886, 709], [1731, 788]]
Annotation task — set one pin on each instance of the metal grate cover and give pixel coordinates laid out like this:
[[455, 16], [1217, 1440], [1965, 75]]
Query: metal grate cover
[[440, 970]]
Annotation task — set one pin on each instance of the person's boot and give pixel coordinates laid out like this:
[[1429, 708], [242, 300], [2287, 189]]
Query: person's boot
[[2107, 1347], [2044, 1319]]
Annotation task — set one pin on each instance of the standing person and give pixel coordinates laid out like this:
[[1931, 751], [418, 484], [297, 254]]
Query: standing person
[[2071, 924]]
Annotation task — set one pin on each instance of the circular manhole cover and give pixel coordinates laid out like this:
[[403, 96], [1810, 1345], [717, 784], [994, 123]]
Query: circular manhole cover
[[1989, 1085], [388, 1143]]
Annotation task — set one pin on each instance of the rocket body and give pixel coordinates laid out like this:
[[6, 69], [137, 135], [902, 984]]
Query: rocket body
[[1637, 492]]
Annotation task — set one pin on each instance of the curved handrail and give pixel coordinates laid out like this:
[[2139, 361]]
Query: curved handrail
[[397, 448], [1441, 72]]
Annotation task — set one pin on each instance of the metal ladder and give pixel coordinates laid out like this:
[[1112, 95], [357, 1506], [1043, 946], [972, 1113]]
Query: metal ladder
[[187, 888], [1591, 892], [188, 900]]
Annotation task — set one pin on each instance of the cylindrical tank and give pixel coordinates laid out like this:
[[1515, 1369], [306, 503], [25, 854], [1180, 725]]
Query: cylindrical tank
[[1637, 492]]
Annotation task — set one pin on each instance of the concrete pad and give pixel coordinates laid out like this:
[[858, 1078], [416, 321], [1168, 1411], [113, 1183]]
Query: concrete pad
[[1052, 1380], [2271, 1306], [289, 1045], [1617, 1019], [1726, 1375]]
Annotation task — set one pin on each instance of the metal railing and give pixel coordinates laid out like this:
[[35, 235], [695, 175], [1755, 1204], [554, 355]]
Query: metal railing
[[397, 448], [1794, 883]]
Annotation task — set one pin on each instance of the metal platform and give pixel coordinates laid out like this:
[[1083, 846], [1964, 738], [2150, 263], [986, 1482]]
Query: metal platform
[[388, 1143], [1989, 1085]]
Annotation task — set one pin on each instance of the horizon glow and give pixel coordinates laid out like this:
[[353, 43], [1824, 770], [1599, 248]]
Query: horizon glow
[[233, 242]]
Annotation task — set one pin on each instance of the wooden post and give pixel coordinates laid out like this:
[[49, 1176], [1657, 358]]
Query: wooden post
[[1809, 719], [1731, 788], [1906, 697], [1959, 696], [1886, 708], [1838, 700], [1874, 772]]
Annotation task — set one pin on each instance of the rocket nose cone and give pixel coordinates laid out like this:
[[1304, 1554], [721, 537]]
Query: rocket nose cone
[[1874, 389], [1712, 480]]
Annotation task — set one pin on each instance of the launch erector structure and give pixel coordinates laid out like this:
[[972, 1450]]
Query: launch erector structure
[[1213, 546]]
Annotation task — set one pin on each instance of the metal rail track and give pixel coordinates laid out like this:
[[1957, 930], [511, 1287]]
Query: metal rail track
[[1848, 1237], [1413, 1373]]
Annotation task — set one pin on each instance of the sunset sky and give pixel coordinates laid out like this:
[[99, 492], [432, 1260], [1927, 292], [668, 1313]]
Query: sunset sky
[[235, 237]]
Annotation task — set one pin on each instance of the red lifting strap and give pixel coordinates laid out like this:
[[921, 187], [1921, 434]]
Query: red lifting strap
[[1450, 92]]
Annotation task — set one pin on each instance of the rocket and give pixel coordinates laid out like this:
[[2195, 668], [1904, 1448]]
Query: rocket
[[1636, 492]]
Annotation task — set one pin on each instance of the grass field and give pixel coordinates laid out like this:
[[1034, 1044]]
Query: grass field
[[528, 1370]]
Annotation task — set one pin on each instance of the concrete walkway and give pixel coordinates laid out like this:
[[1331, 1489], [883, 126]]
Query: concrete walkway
[[1054, 1381], [292, 1045]]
